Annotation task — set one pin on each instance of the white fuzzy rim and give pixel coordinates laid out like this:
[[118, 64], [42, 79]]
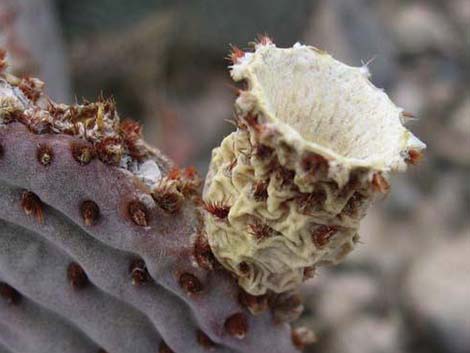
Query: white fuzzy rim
[[325, 106]]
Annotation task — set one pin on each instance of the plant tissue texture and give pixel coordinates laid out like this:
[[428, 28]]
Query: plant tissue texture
[[106, 246], [314, 146]]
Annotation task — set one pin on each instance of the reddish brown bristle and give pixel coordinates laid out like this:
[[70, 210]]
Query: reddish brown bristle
[[313, 163], [311, 201], [309, 272], [55, 110], [45, 154], [286, 307], [32, 88], [236, 54], [138, 213], [86, 112], [322, 235], [139, 273], [237, 91], [108, 104], [263, 152], [82, 152], [32, 205], [414, 157], [90, 212], [131, 129], [232, 164], [218, 209], [204, 340], [9, 294], [190, 172], [132, 134], [260, 191], [110, 150], [257, 304], [168, 200], [408, 115], [77, 276], [237, 325], [264, 39], [189, 187], [380, 184], [203, 253], [285, 175], [302, 337], [174, 174], [252, 120], [260, 230], [3, 62], [190, 283], [354, 203]]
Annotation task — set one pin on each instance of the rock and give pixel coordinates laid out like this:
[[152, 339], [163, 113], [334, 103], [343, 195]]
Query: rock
[[339, 297], [453, 143], [30, 32], [353, 32], [418, 27], [367, 335], [437, 292]]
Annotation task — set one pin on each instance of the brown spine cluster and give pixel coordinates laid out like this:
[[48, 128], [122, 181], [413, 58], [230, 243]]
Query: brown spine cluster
[[235, 55], [131, 132], [10, 294], [260, 230], [77, 277], [3, 61], [138, 213], [90, 212], [218, 209], [177, 186], [203, 253], [414, 157], [82, 152], [380, 184], [32, 205], [32, 88], [302, 337], [237, 325], [321, 236], [45, 154], [257, 304], [138, 272], [190, 283], [110, 150]]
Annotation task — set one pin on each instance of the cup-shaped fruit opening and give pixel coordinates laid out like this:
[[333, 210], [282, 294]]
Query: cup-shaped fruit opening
[[332, 106]]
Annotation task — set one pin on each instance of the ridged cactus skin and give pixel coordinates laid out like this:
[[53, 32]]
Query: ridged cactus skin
[[102, 241]]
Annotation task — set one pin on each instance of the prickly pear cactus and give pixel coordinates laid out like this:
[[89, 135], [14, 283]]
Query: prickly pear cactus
[[106, 246]]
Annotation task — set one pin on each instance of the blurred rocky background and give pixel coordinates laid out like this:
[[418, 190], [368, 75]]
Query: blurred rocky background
[[406, 289]]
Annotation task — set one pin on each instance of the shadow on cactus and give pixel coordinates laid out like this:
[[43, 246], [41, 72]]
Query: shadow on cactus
[[106, 246]]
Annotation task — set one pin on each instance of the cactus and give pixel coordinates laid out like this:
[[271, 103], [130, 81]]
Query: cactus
[[106, 246], [315, 144]]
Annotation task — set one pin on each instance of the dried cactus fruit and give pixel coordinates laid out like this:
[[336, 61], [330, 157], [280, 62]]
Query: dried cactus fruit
[[315, 144]]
